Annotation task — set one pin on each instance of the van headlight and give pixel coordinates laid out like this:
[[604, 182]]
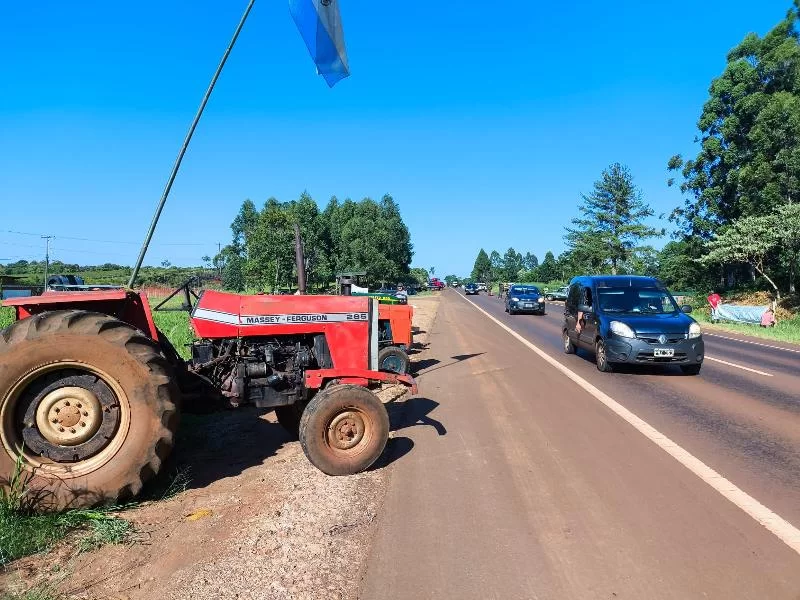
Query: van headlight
[[621, 329], [514, 299], [695, 331]]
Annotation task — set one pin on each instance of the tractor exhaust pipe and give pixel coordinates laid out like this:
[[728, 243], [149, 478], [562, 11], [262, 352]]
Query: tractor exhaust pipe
[[300, 260]]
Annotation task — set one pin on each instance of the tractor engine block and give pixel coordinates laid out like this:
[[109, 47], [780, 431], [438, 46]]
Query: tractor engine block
[[266, 372]]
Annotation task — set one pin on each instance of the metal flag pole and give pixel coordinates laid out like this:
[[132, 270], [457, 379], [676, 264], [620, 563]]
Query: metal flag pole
[[186, 141]]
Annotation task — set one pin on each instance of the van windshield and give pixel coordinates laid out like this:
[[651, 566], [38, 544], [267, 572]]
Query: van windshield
[[636, 301]]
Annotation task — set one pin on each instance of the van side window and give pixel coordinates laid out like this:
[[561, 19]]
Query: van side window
[[587, 296], [574, 297]]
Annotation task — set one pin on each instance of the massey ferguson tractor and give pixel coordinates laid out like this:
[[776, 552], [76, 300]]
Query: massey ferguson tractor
[[90, 390]]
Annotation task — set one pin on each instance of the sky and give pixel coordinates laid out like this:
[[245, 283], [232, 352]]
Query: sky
[[486, 125]]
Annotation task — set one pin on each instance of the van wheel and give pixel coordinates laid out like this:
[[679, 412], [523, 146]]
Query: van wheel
[[601, 357], [569, 347]]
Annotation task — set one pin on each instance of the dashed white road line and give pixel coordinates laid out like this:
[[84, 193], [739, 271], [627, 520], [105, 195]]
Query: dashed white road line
[[725, 337], [742, 367], [780, 527]]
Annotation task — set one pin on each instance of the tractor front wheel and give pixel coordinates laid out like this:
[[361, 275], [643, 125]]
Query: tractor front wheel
[[344, 429], [393, 360], [89, 406]]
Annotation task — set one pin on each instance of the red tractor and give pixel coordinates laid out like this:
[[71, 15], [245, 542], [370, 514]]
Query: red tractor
[[396, 337], [90, 390]]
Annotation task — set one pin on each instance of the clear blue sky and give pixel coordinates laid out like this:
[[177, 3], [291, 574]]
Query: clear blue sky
[[486, 125]]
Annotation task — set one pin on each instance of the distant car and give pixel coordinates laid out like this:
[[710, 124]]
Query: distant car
[[558, 294], [482, 287], [633, 320], [437, 284], [524, 299], [471, 289]]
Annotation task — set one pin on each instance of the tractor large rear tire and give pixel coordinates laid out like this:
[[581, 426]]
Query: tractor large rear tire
[[90, 402], [344, 429]]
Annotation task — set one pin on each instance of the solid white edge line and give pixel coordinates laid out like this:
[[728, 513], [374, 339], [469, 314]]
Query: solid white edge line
[[780, 527], [742, 367], [733, 339]]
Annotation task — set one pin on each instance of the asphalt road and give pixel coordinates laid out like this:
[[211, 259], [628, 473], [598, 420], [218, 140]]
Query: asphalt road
[[522, 484]]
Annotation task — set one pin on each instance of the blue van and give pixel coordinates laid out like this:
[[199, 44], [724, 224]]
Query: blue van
[[633, 320]]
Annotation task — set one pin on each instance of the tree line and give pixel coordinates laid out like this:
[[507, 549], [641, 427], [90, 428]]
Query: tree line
[[739, 223], [346, 236], [27, 272]]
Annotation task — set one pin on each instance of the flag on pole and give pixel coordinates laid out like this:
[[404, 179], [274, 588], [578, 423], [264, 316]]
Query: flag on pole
[[320, 26]]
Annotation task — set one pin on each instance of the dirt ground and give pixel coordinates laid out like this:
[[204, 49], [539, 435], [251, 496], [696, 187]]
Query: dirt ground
[[256, 520]]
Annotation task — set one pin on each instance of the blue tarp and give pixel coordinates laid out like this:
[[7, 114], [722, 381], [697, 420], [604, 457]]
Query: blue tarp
[[739, 314], [320, 26]]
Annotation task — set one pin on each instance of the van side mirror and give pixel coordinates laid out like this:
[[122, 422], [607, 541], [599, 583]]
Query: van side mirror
[[686, 308]]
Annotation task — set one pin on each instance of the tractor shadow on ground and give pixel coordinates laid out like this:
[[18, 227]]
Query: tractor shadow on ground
[[214, 446], [414, 411], [428, 365], [666, 370]]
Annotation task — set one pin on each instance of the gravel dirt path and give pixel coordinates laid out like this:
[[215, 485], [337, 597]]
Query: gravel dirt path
[[256, 520]]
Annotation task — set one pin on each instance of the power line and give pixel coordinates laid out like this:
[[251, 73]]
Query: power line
[[82, 239]]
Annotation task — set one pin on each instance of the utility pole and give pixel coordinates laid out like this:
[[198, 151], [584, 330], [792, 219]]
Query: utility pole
[[47, 239]]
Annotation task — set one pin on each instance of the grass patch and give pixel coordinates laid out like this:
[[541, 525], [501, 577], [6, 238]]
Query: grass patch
[[787, 330], [175, 326], [7, 316], [104, 529], [40, 592], [24, 532]]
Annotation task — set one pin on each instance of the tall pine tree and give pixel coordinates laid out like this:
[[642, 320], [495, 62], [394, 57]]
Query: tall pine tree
[[612, 226]]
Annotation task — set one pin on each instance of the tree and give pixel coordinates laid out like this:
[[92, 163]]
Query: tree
[[748, 240], [432, 271], [512, 265], [530, 262], [451, 279], [498, 267], [679, 270], [612, 225], [482, 269], [749, 132], [548, 271], [419, 275]]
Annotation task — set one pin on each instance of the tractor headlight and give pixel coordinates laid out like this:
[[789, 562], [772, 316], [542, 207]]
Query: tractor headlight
[[621, 329], [695, 331], [515, 299]]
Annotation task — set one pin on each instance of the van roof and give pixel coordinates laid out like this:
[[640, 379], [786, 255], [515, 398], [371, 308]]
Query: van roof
[[634, 281]]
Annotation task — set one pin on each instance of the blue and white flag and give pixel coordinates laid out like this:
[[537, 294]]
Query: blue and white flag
[[320, 26]]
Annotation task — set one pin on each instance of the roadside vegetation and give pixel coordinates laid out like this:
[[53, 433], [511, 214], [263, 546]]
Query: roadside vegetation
[[24, 531]]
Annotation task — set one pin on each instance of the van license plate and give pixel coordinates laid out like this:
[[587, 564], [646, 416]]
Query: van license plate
[[528, 305], [664, 352]]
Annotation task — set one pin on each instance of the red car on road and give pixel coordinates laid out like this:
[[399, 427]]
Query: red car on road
[[437, 284]]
